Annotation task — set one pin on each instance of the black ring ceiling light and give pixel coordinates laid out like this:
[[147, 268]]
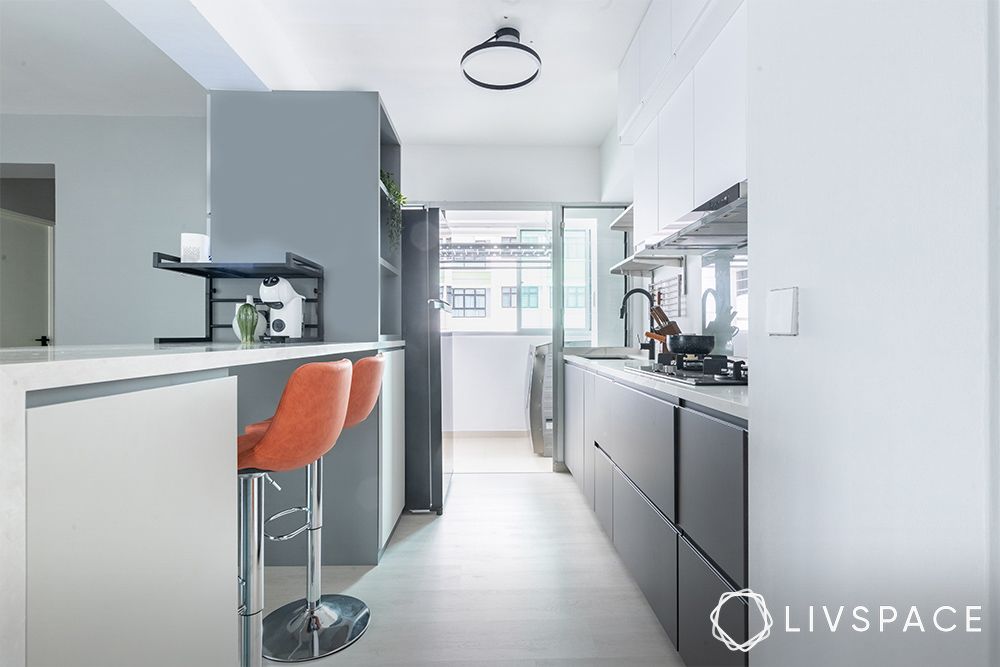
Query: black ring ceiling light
[[502, 62]]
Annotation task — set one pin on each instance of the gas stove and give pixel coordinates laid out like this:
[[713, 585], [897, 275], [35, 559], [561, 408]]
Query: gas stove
[[707, 370]]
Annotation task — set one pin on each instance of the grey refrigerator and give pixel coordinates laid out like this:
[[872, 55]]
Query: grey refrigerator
[[428, 453]]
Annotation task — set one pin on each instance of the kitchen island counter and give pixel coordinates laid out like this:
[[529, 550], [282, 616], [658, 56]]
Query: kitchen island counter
[[34, 368], [732, 400], [118, 466]]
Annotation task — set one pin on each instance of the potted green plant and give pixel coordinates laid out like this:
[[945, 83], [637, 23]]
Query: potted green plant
[[396, 202]]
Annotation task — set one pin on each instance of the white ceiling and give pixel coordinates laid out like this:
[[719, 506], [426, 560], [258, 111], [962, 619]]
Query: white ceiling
[[82, 57], [409, 51]]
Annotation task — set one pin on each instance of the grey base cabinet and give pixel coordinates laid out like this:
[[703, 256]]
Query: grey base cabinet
[[603, 490], [573, 409], [699, 587], [647, 545], [668, 483], [589, 427], [712, 489], [637, 432]]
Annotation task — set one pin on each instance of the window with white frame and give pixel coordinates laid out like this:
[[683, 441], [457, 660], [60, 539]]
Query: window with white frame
[[468, 302]]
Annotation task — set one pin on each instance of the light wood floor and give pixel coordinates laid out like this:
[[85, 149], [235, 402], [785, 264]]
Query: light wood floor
[[497, 453], [516, 572]]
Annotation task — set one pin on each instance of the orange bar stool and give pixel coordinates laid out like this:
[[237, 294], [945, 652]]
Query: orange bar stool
[[318, 624], [309, 419]]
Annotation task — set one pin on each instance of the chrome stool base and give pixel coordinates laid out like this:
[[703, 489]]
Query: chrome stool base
[[293, 633]]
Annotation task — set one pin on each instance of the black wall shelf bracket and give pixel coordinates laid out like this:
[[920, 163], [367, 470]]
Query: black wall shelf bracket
[[294, 266]]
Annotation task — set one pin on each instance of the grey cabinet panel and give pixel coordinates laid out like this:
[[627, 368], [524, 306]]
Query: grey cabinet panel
[[638, 434], [647, 545], [591, 410], [711, 489], [603, 490], [573, 411], [699, 587]]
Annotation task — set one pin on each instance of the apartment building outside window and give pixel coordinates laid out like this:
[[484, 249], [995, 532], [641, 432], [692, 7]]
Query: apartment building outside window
[[468, 302]]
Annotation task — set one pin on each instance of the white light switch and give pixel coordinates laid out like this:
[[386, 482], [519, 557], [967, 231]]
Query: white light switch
[[783, 312]]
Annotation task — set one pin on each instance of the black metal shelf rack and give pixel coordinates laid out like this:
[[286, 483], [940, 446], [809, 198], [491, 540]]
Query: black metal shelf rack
[[294, 266]]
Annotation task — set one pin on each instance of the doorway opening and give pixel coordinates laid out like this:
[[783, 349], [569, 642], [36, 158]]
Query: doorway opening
[[27, 228], [496, 272]]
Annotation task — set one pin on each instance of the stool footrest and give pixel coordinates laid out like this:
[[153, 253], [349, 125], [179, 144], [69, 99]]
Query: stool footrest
[[283, 513]]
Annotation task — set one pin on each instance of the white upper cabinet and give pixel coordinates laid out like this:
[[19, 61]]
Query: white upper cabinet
[[645, 209], [676, 155], [655, 48], [628, 85], [720, 111], [682, 17]]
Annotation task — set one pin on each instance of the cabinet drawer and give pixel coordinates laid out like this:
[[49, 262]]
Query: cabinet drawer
[[638, 435], [699, 587], [603, 486], [648, 546], [711, 489]]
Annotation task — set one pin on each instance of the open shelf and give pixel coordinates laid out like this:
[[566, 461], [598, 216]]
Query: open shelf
[[624, 222], [636, 265], [388, 268], [294, 266]]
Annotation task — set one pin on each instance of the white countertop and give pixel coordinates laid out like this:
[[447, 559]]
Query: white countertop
[[733, 400], [33, 368]]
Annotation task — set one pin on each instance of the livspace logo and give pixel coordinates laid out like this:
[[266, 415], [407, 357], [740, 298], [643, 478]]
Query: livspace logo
[[824, 618]]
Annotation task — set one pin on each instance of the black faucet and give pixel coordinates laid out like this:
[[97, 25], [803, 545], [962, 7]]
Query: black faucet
[[649, 344]]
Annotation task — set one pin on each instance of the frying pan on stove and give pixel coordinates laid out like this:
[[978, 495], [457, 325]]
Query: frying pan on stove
[[690, 344]]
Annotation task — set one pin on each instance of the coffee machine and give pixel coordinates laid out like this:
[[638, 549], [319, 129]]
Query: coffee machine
[[285, 307]]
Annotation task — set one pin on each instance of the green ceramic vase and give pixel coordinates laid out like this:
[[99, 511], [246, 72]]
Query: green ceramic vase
[[246, 320]]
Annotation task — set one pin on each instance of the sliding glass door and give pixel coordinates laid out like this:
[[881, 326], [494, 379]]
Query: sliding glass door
[[586, 296]]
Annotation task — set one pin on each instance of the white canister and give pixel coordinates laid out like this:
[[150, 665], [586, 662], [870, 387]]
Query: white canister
[[195, 248]]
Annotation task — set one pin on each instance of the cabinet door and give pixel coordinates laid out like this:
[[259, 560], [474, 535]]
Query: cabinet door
[[573, 421], [590, 412], [640, 441], [603, 490], [720, 111], [654, 44], [645, 208], [647, 545], [711, 489], [699, 588], [628, 85], [392, 445], [676, 155], [683, 15]]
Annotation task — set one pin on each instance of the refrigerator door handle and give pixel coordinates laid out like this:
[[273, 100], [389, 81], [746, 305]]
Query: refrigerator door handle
[[439, 304]]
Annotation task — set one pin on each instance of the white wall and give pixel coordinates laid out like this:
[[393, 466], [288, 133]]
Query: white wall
[[616, 169], [869, 460], [501, 173], [125, 186], [488, 381]]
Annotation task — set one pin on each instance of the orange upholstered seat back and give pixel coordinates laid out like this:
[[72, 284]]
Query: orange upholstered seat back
[[365, 387], [307, 423]]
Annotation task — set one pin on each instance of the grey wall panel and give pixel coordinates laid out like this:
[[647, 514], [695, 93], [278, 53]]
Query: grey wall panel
[[298, 171]]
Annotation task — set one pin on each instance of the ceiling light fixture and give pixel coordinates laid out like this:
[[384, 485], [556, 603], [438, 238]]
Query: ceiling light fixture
[[502, 62]]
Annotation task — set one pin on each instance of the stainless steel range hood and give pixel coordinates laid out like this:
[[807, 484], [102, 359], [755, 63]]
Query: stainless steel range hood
[[718, 224]]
